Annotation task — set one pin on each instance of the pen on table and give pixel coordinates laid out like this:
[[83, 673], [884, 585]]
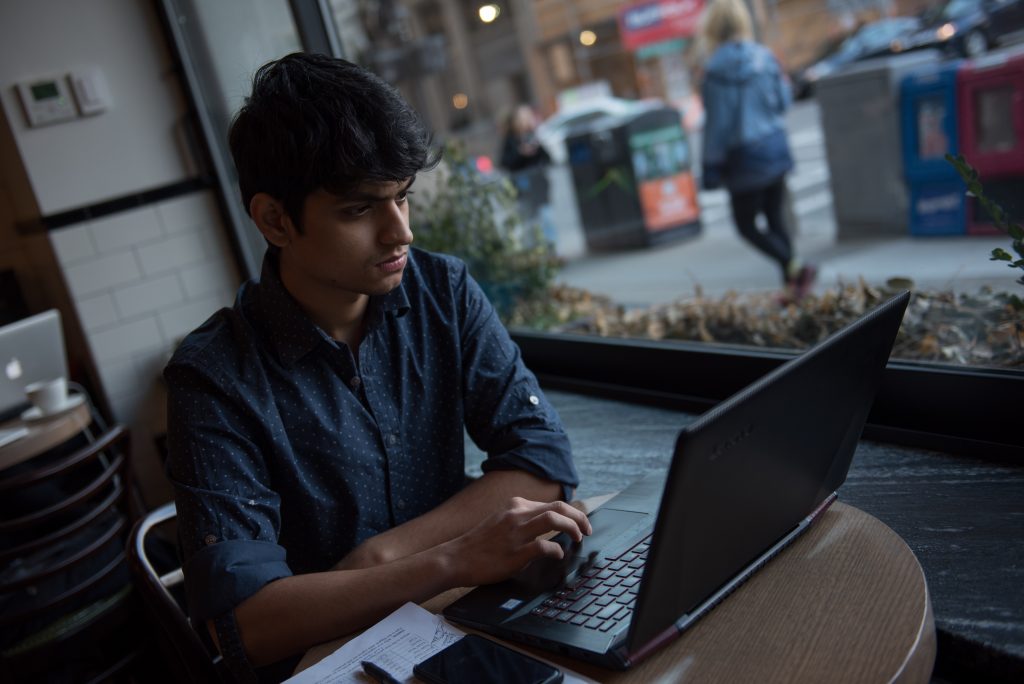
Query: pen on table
[[378, 673]]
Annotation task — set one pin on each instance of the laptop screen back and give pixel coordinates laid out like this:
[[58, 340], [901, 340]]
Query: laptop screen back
[[31, 350], [748, 471]]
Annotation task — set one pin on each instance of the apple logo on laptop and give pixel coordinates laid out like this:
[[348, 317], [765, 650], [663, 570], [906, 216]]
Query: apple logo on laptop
[[13, 369]]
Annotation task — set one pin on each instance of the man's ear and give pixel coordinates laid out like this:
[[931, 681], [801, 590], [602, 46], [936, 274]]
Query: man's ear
[[270, 217]]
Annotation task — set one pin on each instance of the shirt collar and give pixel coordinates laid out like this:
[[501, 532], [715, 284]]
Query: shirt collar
[[291, 332]]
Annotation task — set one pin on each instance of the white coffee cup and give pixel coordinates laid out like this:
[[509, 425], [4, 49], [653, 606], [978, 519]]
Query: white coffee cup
[[49, 396]]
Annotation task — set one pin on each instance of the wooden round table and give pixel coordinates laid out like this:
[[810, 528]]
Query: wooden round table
[[44, 434], [846, 602]]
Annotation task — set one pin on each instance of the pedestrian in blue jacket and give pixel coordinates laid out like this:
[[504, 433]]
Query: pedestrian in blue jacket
[[745, 145]]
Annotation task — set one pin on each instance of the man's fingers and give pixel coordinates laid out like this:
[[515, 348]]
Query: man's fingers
[[579, 516], [544, 547], [531, 509], [551, 521], [574, 514]]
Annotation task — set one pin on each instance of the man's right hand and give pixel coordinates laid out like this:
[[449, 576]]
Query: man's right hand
[[293, 613], [506, 541]]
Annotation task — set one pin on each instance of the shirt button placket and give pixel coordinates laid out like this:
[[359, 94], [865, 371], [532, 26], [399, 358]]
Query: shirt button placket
[[391, 445]]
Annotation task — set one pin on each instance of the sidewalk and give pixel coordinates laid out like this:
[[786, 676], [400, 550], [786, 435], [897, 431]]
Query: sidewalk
[[719, 260]]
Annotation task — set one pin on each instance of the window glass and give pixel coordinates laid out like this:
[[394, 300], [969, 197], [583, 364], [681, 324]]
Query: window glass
[[239, 36], [592, 111], [223, 43]]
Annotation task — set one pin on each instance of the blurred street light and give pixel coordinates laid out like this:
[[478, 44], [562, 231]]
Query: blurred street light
[[588, 37], [488, 13], [460, 100]]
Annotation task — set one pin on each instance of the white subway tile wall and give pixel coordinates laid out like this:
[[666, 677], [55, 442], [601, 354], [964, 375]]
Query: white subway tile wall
[[178, 321], [97, 313], [186, 213], [124, 229], [141, 280], [172, 254], [123, 374], [202, 279], [73, 245], [102, 272], [149, 295], [126, 340]]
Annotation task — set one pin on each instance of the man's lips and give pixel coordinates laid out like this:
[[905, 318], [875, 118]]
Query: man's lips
[[393, 264]]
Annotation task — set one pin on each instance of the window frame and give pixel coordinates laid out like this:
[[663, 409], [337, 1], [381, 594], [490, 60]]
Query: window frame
[[967, 410], [953, 409]]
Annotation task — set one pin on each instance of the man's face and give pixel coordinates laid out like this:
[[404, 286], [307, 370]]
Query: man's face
[[355, 244]]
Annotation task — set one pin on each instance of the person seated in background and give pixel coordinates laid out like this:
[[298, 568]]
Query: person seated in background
[[526, 161], [520, 149], [316, 427]]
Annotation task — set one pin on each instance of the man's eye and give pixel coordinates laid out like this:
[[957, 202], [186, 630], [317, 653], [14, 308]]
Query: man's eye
[[358, 210], [401, 197]]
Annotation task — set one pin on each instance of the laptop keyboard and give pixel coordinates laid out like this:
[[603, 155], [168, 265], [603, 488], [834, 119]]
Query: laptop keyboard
[[602, 595]]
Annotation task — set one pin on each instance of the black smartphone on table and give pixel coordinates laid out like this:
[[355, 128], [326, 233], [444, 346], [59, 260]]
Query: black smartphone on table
[[474, 658]]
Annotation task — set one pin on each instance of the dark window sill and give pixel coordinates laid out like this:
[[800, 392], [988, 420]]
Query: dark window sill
[[969, 411]]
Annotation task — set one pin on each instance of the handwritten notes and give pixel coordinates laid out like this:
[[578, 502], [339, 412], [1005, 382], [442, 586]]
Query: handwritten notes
[[396, 643]]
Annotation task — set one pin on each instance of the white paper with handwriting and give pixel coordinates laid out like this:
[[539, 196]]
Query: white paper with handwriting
[[396, 643]]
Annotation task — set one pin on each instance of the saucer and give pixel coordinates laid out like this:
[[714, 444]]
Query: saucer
[[34, 414]]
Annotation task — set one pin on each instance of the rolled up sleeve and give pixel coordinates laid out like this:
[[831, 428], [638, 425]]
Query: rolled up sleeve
[[223, 575], [507, 414], [228, 516]]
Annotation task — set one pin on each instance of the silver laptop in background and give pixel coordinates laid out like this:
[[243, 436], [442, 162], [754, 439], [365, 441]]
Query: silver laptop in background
[[31, 350]]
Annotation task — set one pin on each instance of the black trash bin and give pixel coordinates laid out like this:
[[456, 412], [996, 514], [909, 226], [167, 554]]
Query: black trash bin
[[634, 180]]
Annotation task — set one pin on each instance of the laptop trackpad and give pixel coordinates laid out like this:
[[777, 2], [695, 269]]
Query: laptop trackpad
[[609, 525]]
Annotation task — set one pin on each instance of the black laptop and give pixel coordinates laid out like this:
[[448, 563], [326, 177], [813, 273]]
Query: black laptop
[[747, 478]]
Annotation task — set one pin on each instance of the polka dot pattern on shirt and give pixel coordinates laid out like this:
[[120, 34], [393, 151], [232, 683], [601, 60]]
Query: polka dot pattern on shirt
[[279, 439]]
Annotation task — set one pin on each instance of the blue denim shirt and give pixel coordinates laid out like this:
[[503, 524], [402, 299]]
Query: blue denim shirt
[[745, 99], [285, 452]]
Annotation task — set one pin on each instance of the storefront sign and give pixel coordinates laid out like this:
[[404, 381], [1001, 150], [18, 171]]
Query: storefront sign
[[648, 22]]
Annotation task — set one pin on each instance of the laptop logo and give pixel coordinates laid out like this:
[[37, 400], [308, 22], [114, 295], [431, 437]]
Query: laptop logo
[[13, 369], [727, 444]]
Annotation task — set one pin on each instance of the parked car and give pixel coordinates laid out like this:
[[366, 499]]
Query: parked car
[[553, 133], [968, 28], [881, 37]]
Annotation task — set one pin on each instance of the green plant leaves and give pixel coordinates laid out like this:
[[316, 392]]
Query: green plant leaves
[[475, 218], [999, 216]]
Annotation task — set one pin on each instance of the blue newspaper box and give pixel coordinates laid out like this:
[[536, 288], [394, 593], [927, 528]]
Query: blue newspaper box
[[928, 110]]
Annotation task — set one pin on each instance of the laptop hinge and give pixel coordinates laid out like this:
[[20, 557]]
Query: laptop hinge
[[667, 635], [829, 500], [674, 630]]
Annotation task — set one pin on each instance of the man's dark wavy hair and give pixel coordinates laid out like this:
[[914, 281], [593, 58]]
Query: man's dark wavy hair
[[315, 122]]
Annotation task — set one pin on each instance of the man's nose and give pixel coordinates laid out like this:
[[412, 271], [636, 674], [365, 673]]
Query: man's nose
[[395, 229]]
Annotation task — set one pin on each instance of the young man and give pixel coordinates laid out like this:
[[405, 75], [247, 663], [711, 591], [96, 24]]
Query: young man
[[316, 427]]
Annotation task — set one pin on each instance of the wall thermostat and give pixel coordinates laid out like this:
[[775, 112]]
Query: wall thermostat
[[83, 92], [47, 100]]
